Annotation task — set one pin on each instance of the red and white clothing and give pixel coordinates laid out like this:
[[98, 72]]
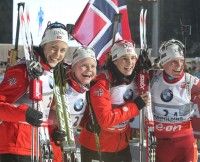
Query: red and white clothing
[[15, 132], [113, 107], [195, 121], [76, 99], [196, 117], [172, 109]]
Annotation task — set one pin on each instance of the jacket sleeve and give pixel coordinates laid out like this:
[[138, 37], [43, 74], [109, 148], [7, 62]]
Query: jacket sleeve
[[15, 83], [11, 113], [195, 92], [106, 114], [13, 86]]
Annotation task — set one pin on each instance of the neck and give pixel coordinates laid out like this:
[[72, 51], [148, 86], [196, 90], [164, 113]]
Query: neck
[[170, 79], [76, 84]]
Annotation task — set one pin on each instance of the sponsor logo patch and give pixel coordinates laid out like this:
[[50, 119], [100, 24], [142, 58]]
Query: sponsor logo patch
[[166, 95]]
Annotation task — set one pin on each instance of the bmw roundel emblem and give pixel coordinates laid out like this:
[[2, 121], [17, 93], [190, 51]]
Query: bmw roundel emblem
[[78, 105], [128, 95], [166, 95]]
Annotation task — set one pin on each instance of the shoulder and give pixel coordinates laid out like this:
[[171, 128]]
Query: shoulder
[[101, 79], [15, 82], [100, 84], [17, 71]]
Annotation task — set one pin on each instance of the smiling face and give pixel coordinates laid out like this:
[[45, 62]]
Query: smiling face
[[84, 70], [126, 64], [174, 67], [55, 52]]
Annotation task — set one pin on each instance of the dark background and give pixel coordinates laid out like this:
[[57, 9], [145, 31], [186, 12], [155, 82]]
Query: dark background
[[171, 11], [6, 11]]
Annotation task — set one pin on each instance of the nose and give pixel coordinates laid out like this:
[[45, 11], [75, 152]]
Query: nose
[[130, 61], [56, 54], [89, 68], [180, 63]]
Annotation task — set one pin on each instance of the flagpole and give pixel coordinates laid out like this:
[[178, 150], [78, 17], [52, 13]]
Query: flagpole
[[117, 19]]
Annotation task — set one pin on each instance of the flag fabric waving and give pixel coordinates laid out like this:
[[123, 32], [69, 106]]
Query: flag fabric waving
[[94, 27]]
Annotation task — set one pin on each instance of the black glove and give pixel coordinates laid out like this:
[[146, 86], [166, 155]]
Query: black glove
[[58, 136], [139, 102], [34, 117]]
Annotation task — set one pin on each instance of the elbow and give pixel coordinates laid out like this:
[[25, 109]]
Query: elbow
[[106, 121]]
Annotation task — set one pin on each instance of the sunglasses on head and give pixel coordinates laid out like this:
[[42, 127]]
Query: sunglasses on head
[[166, 44], [55, 25], [83, 47]]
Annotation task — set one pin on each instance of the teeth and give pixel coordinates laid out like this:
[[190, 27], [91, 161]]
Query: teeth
[[87, 76], [54, 59], [128, 68]]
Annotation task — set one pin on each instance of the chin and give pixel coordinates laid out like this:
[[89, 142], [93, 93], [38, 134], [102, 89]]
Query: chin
[[86, 82], [53, 64], [127, 73]]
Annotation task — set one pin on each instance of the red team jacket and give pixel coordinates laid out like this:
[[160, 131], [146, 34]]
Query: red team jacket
[[15, 133], [13, 140], [113, 119], [73, 84]]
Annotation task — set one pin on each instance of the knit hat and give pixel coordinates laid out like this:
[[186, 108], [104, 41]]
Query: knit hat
[[53, 34], [79, 54], [171, 50], [122, 48]]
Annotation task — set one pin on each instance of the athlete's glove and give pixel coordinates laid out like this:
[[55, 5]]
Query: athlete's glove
[[139, 102], [58, 136], [34, 117]]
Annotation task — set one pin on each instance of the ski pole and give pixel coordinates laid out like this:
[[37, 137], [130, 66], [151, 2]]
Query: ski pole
[[35, 94], [63, 114]]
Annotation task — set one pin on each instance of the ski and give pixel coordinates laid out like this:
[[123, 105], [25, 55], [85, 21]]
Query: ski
[[13, 53], [63, 115], [41, 148], [145, 117]]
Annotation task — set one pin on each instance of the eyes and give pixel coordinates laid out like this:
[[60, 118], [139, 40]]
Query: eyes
[[57, 49], [177, 62], [132, 58], [92, 66]]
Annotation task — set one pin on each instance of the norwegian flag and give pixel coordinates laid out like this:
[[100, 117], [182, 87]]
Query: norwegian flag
[[94, 27]]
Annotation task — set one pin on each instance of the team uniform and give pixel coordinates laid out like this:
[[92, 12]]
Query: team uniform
[[173, 94], [78, 77], [16, 136], [76, 98], [113, 107], [172, 109], [112, 102]]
